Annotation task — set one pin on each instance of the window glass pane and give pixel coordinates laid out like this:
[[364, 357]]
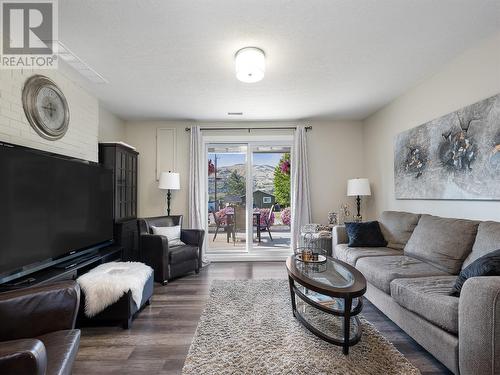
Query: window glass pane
[[227, 166]]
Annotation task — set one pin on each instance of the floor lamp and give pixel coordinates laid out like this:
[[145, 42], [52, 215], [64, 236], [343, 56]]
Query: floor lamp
[[169, 181]]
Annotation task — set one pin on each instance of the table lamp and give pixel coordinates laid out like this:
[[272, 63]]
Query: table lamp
[[358, 187], [169, 181]]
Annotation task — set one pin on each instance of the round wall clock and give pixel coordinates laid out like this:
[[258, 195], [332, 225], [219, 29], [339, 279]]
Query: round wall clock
[[45, 107]]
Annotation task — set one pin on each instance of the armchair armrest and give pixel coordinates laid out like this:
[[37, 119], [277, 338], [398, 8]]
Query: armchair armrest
[[25, 356], [339, 235], [194, 237], [479, 326], [154, 252], [38, 310]]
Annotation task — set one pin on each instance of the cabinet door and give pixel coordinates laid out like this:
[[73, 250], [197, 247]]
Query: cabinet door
[[134, 187], [128, 239]]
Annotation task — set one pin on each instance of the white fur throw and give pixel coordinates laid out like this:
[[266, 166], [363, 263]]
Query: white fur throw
[[105, 284]]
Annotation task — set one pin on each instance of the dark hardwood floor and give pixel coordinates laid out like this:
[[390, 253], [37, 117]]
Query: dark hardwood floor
[[160, 336]]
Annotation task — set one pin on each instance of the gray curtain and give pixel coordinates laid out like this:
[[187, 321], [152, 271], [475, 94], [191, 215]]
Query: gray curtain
[[197, 217], [301, 203]]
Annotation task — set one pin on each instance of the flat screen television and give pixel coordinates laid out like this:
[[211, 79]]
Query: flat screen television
[[52, 207]]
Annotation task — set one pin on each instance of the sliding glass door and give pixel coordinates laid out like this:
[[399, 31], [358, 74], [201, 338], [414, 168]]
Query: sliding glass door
[[248, 197], [227, 184], [271, 197]]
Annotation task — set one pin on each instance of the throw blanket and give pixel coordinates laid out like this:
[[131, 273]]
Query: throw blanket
[[105, 284]]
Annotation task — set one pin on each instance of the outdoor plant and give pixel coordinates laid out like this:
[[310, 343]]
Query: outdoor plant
[[264, 214], [211, 167], [282, 181], [236, 184], [286, 215]]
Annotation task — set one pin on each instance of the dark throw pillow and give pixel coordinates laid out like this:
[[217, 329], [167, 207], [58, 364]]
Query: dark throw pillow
[[367, 234], [487, 265]]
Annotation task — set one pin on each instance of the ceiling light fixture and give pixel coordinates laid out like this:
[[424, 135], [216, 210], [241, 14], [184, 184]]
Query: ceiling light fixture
[[250, 64]]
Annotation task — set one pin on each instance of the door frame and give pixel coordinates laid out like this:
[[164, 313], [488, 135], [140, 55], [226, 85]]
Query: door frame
[[250, 253]]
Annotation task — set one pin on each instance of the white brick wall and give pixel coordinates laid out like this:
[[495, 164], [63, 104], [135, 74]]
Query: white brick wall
[[81, 139]]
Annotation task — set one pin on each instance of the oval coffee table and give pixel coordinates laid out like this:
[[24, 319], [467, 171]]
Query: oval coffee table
[[330, 298]]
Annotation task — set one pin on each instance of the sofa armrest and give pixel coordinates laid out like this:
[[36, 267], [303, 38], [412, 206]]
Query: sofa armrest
[[35, 311], [25, 356], [339, 235], [194, 237], [479, 326]]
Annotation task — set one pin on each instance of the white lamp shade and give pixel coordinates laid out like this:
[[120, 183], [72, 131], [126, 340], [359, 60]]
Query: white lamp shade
[[169, 180], [250, 64], [358, 186]]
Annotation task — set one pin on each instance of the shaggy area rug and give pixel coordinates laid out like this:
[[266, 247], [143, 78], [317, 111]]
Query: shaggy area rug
[[248, 328]]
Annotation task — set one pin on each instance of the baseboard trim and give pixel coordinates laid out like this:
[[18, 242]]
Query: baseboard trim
[[275, 257]]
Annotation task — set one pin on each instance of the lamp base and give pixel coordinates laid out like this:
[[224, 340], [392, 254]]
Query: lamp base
[[169, 196], [358, 217]]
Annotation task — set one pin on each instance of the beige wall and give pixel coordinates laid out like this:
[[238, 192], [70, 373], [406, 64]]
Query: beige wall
[[472, 76], [111, 127], [335, 154]]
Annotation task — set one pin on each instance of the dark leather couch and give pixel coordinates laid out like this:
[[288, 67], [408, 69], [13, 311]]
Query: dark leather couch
[[37, 334], [167, 261]]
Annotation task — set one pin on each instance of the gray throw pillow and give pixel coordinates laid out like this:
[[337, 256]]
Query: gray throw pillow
[[172, 233]]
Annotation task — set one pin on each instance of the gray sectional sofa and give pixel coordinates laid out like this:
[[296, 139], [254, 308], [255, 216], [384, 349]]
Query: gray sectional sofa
[[410, 281]]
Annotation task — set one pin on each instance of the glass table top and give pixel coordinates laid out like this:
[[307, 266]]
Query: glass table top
[[330, 273]]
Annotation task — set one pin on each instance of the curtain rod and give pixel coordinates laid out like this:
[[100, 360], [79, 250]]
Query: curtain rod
[[249, 129]]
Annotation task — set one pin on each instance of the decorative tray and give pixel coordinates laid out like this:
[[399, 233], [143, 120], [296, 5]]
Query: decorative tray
[[321, 259]]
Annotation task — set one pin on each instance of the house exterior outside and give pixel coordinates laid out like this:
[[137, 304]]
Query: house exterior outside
[[261, 199]]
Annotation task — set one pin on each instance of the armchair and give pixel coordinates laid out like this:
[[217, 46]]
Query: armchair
[[39, 337], [167, 261]]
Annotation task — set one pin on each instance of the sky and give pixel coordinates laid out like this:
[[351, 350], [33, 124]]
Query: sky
[[225, 159]]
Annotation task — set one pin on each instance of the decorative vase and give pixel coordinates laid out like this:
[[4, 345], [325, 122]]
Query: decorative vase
[[332, 218]]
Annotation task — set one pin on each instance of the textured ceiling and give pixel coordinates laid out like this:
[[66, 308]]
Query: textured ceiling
[[325, 58]]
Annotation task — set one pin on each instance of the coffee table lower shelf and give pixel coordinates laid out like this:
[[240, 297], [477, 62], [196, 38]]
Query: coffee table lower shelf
[[335, 314]]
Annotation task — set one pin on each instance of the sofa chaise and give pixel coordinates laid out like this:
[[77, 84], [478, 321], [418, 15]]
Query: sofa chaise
[[410, 281]]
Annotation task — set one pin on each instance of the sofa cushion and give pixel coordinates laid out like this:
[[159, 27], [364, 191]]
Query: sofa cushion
[[487, 265], [380, 271], [179, 254], [61, 347], [365, 234], [397, 227], [429, 297], [487, 240], [351, 255], [443, 242]]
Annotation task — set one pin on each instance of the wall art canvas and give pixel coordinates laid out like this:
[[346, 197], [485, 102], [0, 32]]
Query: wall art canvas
[[456, 156]]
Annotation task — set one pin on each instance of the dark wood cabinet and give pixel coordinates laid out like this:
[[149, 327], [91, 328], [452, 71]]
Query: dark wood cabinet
[[127, 236], [123, 161]]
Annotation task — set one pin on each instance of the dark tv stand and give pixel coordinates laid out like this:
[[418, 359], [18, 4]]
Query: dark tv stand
[[72, 263], [69, 270]]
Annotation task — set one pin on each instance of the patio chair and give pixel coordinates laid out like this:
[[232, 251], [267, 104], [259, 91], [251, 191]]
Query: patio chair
[[267, 222], [240, 221], [225, 222]]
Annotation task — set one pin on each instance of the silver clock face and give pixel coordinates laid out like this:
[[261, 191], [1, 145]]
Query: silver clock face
[[45, 107], [50, 108]]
